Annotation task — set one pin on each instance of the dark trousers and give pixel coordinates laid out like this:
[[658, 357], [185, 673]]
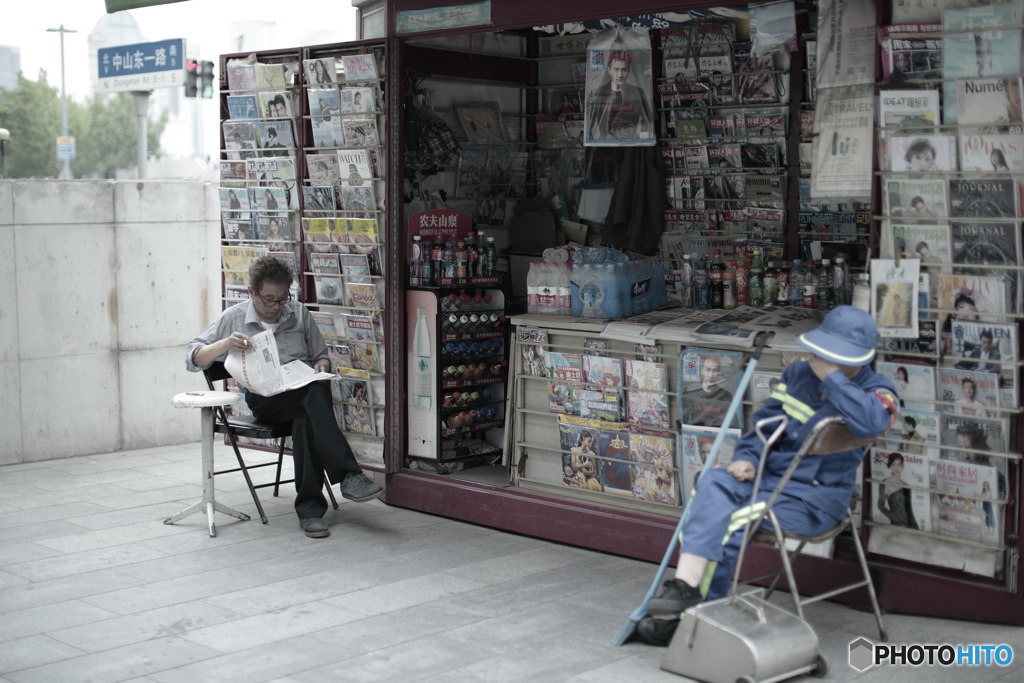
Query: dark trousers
[[317, 443]]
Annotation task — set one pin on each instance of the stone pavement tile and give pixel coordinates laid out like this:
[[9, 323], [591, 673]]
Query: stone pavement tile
[[47, 511], [511, 632], [116, 632], [15, 554], [1014, 673], [86, 540], [32, 651], [40, 530], [275, 661], [300, 588], [45, 618], [8, 580], [553, 660], [113, 666], [533, 560], [79, 563], [107, 462], [269, 627], [989, 634], [144, 512], [38, 593], [63, 482], [430, 656], [405, 593], [643, 664]]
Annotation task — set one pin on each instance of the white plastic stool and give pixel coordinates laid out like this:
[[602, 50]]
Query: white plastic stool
[[207, 401]]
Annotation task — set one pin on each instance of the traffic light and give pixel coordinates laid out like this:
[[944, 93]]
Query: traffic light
[[206, 74], [191, 77]]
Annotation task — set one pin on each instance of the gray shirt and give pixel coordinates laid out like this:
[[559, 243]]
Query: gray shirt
[[297, 336]]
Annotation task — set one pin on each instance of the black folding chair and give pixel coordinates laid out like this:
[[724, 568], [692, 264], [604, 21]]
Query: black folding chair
[[235, 426]]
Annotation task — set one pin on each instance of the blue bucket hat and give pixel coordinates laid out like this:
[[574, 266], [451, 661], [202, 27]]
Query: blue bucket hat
[[847, 336]]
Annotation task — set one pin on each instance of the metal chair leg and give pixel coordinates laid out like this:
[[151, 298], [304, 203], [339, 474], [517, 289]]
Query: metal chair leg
[[883, 635], [242, 466]]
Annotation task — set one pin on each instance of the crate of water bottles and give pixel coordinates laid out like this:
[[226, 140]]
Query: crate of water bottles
[[595, 282]]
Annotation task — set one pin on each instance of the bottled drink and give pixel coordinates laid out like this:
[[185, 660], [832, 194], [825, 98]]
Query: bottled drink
[[810, 296], [436, 267], [771, 283], [825, 285], [492, 258], [616, 291], [563, 298], [755, 279], [533, 288], [862, 292], [796, 283], [716, 271], [702, 286], [423, 388], [782, 299], [686, 282], [729, 286], [461, 259], [592, 290], [448, 260], [810, 279], [841, 281], [415, 261], [742, 282]]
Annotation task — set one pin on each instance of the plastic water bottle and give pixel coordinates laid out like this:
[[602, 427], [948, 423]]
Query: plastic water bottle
[[563, 296], [702, 286], [796, 283], [686, 282], [729, 286], [533, 288], [577, 279], [592, 290], [841, 281]]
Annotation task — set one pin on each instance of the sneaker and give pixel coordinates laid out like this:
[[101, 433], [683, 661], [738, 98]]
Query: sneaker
[[315, 527], [675, 598], [657, 632], [360, 488]]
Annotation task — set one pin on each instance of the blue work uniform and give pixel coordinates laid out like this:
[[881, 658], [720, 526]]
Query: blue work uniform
[[817, 496]]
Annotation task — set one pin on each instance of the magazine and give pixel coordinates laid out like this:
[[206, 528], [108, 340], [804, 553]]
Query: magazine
[[482, 122], [363, 326], [239, 140], [355, 398], [900, 490], [364, 356], [964, 493], [981, 346], [965, 296], [972, 392], [276, 172], [980, 244], [361, 295], [360, 67], [270, 76], [762, 384], [322, 166], [708, 380], [318, 200], [921, 153], [653, 465], [579, 441], [274, 105], [914, 49], [328, 289], [325, 323], [531, 342], [357, 100], [613, 445], [322, 71], [258, 369], [992, 103], [323, 117], [695, 445], [358, 199], [894, 296], [926, 242], [916, 432], [242, 107], [241, 77], [982, 198], [755, 77], [685, 102], [602, 404], [565, 370], [908, 108], [996, 152], [914, 382], [913, 198], [360, 132], [355, 166]]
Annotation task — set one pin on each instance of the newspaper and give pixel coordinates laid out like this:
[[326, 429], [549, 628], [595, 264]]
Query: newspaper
[[258, 369]]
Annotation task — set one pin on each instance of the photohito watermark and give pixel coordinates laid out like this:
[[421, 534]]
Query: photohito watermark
[[864, 654]]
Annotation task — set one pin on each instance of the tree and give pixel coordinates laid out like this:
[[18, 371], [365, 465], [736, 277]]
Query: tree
[[104, 128], [31, 112], [106, 135]]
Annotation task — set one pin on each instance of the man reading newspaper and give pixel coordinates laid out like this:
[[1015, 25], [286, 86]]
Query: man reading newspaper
[[317, 443]]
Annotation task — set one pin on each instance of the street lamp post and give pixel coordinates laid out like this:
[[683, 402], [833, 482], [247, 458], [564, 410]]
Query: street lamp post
[[5, 135], [66, 174]]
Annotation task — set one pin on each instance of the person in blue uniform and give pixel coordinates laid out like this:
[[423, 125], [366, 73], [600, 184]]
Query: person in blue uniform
[[836, 381]]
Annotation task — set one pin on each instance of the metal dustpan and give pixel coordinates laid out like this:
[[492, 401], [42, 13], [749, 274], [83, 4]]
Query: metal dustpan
[[743, 637]]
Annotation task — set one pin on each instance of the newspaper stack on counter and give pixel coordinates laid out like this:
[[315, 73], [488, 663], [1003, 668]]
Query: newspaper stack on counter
[[259, 370]]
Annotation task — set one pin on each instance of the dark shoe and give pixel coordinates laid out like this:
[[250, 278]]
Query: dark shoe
[[675, 598], [315, 527], [657, 632], [360, 488]]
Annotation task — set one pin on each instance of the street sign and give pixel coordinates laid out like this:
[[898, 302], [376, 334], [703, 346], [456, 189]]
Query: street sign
[[142, 66], [66, 148]]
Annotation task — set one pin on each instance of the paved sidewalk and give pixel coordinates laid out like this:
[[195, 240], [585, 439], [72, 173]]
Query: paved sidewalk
[[94, 587]]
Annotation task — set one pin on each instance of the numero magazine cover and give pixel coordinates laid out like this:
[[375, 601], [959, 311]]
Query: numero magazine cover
[[901, 483]]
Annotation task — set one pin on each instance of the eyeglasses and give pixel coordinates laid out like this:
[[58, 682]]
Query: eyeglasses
[[274, 302]]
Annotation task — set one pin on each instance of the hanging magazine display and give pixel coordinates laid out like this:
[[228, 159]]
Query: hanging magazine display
[[619, 107], [843, 136], [846, 43]]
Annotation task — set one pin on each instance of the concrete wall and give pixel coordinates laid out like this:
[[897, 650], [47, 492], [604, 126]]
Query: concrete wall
[[102, 283]]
